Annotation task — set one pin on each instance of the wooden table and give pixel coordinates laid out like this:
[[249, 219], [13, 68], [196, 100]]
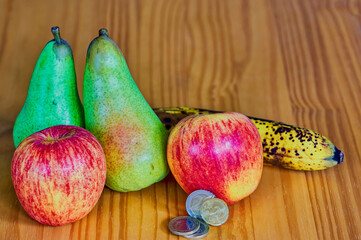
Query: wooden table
[[294, 61]]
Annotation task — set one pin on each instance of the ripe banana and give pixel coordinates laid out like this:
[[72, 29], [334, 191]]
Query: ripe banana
[[284, 145]]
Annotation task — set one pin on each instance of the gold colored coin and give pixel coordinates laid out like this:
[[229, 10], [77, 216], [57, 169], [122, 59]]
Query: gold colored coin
[[214, 211]]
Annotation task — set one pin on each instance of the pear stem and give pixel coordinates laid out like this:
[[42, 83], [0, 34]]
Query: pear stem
[[56, 33], [103, 32]]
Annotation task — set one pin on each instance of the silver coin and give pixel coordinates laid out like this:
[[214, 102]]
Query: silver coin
[[195, 200], [184, 225], [201, 233], [214, 211]]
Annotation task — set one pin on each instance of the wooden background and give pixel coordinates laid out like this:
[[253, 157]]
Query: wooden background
[[294, 61]]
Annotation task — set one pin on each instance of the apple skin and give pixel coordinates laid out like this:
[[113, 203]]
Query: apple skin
[[221, 153], [59, 174]]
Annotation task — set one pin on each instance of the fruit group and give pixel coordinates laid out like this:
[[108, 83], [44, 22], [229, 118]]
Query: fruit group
[[133, 138], [221, 153], [52, 96], [284, 145], [59, 174]]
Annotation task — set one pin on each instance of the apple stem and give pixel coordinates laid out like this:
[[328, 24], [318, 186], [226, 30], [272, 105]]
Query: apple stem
[[56, 32], [103, 32]]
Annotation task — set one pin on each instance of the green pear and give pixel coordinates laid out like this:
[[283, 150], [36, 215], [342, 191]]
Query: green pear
[[132, 136], [52, 97]]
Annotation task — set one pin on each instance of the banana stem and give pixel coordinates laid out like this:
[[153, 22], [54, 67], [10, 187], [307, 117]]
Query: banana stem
[[56, 33], [103, 32]]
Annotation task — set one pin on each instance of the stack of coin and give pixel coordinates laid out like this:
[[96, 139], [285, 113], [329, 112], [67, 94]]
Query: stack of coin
[[204, 209]]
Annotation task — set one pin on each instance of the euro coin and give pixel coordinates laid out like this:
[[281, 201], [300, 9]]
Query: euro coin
[[184, 225], [195, 200], [214, 211], [201, 233]]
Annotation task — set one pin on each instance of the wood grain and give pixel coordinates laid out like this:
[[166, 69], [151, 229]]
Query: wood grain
[[294, 61]]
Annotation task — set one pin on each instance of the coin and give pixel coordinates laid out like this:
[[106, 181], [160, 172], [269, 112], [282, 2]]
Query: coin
[[184, 225], [214, 211], [201, 233], [195, 200]]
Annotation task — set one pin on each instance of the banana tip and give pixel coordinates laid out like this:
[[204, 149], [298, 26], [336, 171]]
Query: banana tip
[[341, 156]]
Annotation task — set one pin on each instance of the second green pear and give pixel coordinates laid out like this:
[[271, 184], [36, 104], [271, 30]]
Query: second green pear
[[133, 138]]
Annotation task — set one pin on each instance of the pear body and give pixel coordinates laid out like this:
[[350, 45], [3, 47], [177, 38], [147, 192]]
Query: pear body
[[132, 136], [52, 97]]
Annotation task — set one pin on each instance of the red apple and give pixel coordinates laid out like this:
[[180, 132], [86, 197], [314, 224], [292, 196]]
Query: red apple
[[59, 174], [221, 153]]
